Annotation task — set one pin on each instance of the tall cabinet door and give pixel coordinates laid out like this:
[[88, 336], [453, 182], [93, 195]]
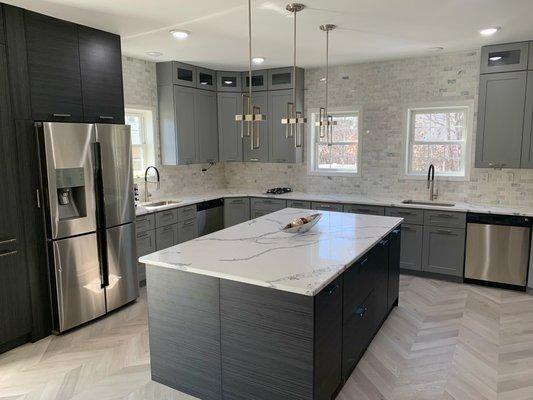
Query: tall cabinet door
[[282, 149], [54, 68], [500, 120], [15, 311], [101, 75], [229, 134], [206, 126], [185, 124], [527, 142], [259, 99]]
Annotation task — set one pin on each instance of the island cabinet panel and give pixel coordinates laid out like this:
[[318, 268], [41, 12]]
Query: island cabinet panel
[[184, 325], [267, 343], [394, 267]]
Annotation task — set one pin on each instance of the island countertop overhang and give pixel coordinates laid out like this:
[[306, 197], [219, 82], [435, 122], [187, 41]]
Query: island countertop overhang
[[258, 253]]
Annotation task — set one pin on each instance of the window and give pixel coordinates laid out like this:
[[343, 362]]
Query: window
[[439, 136], [341, 156], [142, 139]]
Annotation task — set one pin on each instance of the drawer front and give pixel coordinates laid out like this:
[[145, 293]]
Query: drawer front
[[236, 211], [145, 222], [443, 251], [410, 215], [186, 213], [364, 209], [167, 236], [267, 204], [411, 247], [167, 217], [445, 219], [145, 243], [299, 204], [258, 213], [187, 230], [359, 280], [326, 206], [504, 57]]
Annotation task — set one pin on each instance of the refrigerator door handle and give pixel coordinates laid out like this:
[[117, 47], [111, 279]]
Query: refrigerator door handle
[[100, 216]]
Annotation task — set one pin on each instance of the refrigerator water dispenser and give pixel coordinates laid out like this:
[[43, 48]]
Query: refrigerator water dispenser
[[70, 183]]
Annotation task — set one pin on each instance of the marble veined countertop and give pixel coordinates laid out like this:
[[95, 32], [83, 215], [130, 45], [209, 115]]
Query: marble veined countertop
[[341, 198], [258, 253]]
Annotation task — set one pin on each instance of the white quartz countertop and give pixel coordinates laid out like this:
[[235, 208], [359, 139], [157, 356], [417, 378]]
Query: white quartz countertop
[[341, 198], [258, 253]]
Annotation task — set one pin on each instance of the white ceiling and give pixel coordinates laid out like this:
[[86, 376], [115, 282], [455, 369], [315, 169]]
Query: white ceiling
[[368, 29]]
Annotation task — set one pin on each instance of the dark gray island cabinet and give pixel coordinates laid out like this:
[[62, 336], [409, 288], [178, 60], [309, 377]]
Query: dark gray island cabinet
[[217, 338]]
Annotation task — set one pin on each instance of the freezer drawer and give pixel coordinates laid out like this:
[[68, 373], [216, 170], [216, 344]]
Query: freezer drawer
[[80, 297], [123, 275], [497, 253]]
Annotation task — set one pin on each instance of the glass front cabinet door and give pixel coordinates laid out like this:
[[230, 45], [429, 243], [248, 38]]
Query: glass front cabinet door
[[505, 57]]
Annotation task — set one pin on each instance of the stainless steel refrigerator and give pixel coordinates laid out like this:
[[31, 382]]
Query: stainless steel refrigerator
[[90, 213]]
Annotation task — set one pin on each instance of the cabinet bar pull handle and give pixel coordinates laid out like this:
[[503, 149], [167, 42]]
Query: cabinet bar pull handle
[[38, 198], [404, 213], [396, 231], [445, 216], [254, 159], [8, 241], [444, 231], [8, 253], [332, 288], [59, 115], [384, 242], [106, 117], [188, 223], [360, 311], [364, 261]]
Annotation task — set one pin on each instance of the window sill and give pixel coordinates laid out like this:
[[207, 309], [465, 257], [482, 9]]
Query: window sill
[[346, 174], [424, 177]]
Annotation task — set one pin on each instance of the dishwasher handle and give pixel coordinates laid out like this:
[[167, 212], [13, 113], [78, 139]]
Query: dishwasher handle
[[497, 219]]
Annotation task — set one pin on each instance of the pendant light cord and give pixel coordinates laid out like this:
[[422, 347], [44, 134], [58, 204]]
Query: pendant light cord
[[294, 65], [327, 69], [250, 55]]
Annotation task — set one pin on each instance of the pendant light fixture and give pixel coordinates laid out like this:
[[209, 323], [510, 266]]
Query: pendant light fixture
[[294, 120], [251, 115], [325, 122]]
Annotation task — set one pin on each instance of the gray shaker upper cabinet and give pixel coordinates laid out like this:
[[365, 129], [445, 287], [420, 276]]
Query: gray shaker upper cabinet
[[177, 124], [229, 81], [504, 57], [261, 154], [2, 29], [177, 73], [281, 148], [283, 78], [259, 81], [527, 142], [500, 120], [530, 64], [206, 79], [229, 133], [206, 126]]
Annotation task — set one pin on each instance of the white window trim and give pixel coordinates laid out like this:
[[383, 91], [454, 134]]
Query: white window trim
[[449, 104], [311, 141], [149, 126]]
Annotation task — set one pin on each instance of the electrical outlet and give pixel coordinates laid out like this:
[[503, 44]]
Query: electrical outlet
[[484, 177]]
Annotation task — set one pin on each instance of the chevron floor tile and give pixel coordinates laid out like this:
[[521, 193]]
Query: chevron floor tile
[[445, 341]]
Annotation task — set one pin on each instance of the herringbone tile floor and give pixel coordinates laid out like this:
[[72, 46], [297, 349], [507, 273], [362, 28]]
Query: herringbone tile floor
[[445, 341]]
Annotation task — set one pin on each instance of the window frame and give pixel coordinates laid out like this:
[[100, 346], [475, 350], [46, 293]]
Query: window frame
[[408, 137], [146, 120], [312, 167]]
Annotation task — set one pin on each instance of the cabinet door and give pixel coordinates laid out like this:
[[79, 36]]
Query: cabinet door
[[283, 78], [183, 74], [261, 154], [206, 79], [328, 340], [166, 237], [54, 68], [236, 210], [145, 242], [187, 230], [229, 81], [282, 148], [411, 248], [166, 217], [394, 267], [527, 142], [504, 57], [229, 133], [500, 120], [185, 124], [364, 209], [206, 126], [101, 76], [2, 28], [15, 311], [259, 80], [444, 250]]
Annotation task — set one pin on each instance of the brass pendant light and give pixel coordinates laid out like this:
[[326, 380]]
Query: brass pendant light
[[252, 116], [294, 119], [325, 122]]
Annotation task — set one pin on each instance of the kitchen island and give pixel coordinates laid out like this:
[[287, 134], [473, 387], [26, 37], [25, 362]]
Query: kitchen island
[[250, 312]]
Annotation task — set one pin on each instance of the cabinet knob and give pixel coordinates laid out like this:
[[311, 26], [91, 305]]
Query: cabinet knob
[[60, 115]]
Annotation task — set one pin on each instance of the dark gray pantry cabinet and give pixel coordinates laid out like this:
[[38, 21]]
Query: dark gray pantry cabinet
[[245, 341], [505, 112]]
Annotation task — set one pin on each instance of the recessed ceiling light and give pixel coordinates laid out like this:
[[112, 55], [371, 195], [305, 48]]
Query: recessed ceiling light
[[489, 31], [179, 34], [438, 48], [322, 79], [495, 58], [228, 82], [258, 60], [154, 53]]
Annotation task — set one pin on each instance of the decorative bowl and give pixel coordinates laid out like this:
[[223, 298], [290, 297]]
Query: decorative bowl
[[297, 226]]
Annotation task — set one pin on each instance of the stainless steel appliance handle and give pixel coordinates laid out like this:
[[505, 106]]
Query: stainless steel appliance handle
[[61, 115], [100, 216]]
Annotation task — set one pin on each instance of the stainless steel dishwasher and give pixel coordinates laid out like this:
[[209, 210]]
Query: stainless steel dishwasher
[[210, 216], [497, 250]]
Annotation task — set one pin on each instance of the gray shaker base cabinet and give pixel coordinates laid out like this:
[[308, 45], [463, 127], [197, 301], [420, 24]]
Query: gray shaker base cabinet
[[219, 339]]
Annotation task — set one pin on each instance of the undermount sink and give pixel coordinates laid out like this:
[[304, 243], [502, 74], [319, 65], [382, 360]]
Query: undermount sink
[[428, 203], [157, 204]]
